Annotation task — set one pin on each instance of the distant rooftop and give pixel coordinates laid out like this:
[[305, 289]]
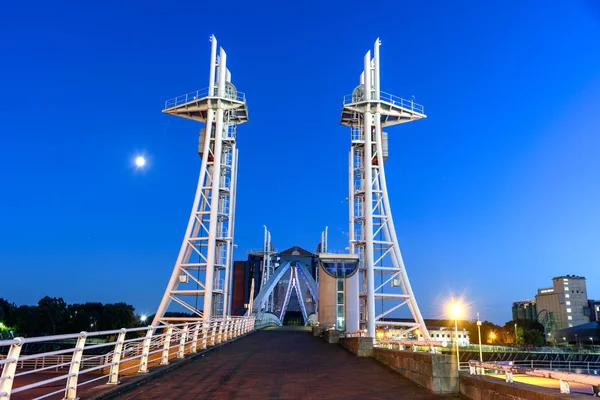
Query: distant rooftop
[[569, 277], [516, 303]]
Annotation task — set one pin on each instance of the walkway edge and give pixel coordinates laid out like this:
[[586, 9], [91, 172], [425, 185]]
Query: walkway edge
[[138, 380]]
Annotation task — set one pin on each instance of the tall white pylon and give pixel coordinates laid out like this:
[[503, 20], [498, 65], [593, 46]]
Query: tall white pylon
[[268, 266], [382, 286], [200, 282]]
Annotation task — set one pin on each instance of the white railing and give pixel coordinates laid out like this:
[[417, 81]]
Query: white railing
[[198, 94], [360, 333], [125, 351], [390, 98], [565, 378]]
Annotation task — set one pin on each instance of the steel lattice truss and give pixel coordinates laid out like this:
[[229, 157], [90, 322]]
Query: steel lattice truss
[[382, 286], [201, 278]]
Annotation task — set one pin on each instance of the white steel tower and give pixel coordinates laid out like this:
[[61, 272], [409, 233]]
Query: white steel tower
[[201, 279], [382, 283]]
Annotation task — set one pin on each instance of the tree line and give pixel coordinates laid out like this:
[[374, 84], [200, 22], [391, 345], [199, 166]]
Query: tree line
[[53, 316], [526, 333]]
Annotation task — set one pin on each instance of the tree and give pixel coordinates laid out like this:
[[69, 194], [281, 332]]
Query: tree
[[84, 317], [8, 312], [487, 329], [528, 332], [27, 321], [53, 315], [116, 316]]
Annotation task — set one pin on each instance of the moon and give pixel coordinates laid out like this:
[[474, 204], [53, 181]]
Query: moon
[[140, 161]]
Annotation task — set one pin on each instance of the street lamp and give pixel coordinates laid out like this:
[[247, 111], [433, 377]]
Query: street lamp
[[592, 339], [516, 336], [479, 333], [492, 336], [143, 318], [456, 311]]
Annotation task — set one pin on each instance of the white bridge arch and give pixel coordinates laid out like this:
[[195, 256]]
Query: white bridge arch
[[299, 281]]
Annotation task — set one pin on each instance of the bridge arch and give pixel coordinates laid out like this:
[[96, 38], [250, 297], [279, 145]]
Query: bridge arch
[[290, 278]]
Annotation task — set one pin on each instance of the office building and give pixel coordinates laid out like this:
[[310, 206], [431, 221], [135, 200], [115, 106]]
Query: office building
[[524, 310], [564, 305]]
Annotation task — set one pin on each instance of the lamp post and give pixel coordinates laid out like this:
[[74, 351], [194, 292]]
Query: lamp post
[[479, 333], [592, 339], [492, 336], [455, 313], [516, 336]]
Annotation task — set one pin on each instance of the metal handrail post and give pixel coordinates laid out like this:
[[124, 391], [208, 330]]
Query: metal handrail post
[[9, 369], [213, 335], [184, 334], [218, 331], [71, 389], [146, 350], [113, 378], [194, 347], [166, 344], [205, 330], [228, 329]]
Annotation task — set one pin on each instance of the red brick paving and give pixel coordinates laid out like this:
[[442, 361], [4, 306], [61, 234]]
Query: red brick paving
[[277, 364]]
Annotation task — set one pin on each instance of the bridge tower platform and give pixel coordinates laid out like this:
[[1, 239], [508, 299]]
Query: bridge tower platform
[[200, 283], [382, 276]]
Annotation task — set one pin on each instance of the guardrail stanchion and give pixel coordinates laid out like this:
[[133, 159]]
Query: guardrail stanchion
[[228, 329], [213, 333], [9, 369], [181, 350], [146, 350], [218, 329], [194, 347], [166, 344], [565, 387], [71, 389], [205, 329], [113, 378]]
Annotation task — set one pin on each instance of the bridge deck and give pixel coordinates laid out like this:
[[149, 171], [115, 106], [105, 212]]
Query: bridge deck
[[281, 364]]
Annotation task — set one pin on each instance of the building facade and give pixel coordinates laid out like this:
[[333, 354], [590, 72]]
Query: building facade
[[524, 310], [252, 269], [594, 306], [564, 305], [440, 330]]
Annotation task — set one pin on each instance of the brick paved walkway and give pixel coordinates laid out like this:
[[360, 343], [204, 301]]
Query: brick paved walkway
[[279, 364]]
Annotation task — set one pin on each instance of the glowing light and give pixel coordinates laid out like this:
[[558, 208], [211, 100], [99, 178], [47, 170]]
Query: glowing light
[[143, 318], [140, 161], [492, 336], [455, 309]]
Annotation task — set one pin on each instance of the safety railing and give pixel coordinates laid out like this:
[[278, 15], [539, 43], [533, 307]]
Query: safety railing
[[391, 99], [587, 367], [199, 94], [565, 378], [124, 352], [359, 333]]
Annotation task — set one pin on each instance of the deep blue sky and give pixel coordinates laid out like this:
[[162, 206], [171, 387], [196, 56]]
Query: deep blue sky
[[496, 192]]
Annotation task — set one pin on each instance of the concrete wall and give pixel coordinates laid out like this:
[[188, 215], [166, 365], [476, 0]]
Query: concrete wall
[[436, 372], [327, 299], [485, 387], [360, 346]]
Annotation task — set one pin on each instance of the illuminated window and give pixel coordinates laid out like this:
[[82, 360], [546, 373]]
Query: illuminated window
[[340, 305], [598, 308], [569, 317], [568, 303], [567, 295], [568, 310], [565, 279], [570, 325]]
